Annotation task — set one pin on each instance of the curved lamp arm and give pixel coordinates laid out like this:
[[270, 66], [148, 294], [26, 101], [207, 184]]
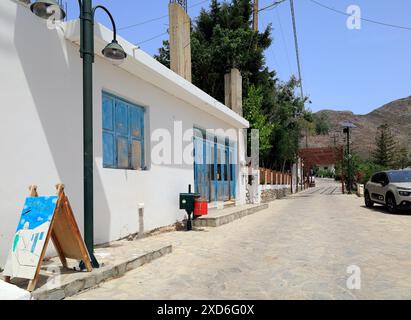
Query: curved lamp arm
[[111, 18]]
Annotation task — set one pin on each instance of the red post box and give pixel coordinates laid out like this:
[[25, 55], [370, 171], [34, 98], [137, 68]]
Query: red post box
[[200, 207]]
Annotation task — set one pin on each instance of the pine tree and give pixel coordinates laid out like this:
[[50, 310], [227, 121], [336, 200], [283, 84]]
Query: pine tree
[[402, 160], [384, 153]]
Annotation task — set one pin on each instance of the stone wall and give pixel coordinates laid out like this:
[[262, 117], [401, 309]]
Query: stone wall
[[271, 194]]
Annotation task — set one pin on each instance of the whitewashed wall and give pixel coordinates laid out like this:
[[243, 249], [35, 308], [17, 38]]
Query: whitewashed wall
[[41, 132]]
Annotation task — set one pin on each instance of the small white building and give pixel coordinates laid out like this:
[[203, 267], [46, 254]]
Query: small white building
[[145, 120], [327, 167]]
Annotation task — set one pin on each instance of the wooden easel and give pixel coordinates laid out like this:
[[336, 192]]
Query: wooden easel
[[64, 233]]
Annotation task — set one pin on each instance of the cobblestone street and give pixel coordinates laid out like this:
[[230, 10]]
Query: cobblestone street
[[299, 248]]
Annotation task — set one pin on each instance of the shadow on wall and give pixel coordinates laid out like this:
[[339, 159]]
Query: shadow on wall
[[53, 71]]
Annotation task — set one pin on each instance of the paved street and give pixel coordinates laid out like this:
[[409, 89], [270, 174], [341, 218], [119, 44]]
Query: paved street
[[299, 248]]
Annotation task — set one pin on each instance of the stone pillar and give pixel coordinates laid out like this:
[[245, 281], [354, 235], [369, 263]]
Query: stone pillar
[[233, 84], [180, 41]]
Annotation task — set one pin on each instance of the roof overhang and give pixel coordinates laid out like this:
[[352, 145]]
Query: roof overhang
[[147, 68]]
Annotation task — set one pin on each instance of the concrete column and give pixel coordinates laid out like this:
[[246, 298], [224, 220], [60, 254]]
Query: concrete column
[[255, 15], [294, 178], [180, 41], [233, 84], [242, 171]]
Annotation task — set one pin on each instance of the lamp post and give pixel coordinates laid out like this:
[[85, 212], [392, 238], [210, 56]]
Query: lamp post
[[47, 9], [347, 126]]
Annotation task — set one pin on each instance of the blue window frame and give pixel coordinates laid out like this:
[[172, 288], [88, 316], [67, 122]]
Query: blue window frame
[[123, 134]]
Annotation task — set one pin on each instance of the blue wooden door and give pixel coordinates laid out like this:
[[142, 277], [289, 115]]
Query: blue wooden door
[[200, 171], [231, 166], [222, 184], [212, 169]]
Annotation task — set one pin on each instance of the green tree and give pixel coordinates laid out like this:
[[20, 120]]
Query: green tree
[[222, 38], [384, 153], [252, 108], [290, 118], [321, 124], [402, 158]]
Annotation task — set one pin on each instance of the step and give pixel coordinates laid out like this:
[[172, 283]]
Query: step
[[217, 218], [57, 283]]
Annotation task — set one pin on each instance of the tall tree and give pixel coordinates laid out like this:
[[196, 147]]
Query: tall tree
[[402, 158], [223, 38], [252, 108], [322, 126], [385, 146]]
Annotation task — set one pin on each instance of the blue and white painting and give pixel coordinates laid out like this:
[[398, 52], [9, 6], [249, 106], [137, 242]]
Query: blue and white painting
[[30, 236]]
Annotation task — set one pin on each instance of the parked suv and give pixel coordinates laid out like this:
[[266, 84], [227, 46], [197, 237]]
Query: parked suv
[[389, 188]]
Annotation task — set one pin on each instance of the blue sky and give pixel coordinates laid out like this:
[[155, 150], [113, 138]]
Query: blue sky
[[342, 69]]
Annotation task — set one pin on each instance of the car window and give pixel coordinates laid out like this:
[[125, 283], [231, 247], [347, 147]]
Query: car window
[[374, 178], [400, 176], [384, 178]]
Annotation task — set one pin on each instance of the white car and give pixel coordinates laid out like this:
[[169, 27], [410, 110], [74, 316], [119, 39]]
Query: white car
[[389, 188]]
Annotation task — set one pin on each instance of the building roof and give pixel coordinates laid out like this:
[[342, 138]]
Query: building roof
[[144, 66]]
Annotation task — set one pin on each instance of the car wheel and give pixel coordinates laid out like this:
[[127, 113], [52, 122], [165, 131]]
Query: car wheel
[[367, 200], [391, 204]]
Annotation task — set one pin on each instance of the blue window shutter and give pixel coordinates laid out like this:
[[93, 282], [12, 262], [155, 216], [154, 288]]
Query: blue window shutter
[[136, 154], [122, 153], [135, 122], [123, 134], [108, 113], [136, 136], [108, 150], [121, 118]]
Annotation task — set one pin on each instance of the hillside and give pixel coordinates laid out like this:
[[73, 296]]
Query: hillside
[[396, 113]]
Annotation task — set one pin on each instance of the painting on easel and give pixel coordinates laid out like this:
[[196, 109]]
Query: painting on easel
[[30, 237], [44, 219]]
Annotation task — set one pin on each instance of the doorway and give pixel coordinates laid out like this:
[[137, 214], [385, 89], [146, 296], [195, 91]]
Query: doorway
[[214, 167]]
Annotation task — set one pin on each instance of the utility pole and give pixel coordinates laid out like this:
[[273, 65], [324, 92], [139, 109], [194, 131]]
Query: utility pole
[[347, 128], [348, 161], [255, 16], [297, 51]]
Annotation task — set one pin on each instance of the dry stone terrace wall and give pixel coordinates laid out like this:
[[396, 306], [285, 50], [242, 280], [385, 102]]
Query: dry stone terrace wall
[[274, 193]]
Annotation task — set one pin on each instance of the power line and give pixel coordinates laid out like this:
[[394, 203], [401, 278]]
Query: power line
[[297, 51], [152, 38], [363, 19], [272, 5], [142, 23], [158, 18]]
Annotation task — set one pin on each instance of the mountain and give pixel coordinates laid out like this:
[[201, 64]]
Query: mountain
[[397, 114]]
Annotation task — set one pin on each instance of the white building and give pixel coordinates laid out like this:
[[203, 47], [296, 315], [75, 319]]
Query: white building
[[41, 130]]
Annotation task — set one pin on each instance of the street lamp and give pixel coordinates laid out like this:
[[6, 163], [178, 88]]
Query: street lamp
[[47, 9], [347, 126]]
